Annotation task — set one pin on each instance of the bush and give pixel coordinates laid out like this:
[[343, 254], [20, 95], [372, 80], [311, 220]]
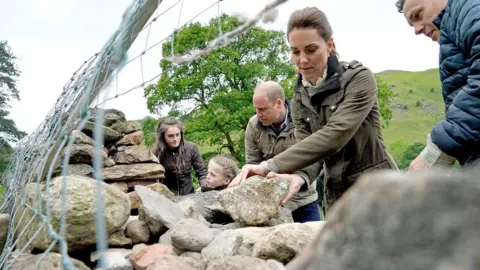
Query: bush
[[410, 153]]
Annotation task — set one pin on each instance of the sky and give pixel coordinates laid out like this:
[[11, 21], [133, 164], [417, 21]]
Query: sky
[[52, 38]]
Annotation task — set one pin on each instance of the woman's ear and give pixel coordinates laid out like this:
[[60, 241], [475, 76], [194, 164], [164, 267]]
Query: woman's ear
[[331, 45]]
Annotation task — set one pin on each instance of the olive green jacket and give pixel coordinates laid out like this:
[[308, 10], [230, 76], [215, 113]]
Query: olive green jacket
[[337, 122], [262, 143]]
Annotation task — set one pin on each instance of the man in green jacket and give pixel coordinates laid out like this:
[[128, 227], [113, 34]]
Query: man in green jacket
[[271, 131]]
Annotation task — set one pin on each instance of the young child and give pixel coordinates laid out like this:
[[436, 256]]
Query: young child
[[221, 171]]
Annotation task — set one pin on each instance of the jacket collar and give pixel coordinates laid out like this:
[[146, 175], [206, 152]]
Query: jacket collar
[[332, 81], [438, 20]]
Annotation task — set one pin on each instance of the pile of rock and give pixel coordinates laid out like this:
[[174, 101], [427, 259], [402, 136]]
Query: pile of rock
[[127, 161], [237, 228]]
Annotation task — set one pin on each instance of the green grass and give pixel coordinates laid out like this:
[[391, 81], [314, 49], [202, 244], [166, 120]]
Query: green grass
[[2, 190], [409, 88]]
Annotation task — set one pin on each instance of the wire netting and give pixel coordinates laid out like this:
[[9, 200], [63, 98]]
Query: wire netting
[[98, 80]]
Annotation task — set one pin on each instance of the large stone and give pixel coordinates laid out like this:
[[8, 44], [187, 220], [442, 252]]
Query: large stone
[[115, 259], [157, 187], [196, 261], [80, 209], [138, 231], [226, 243], [205, 204], [133, 171], [110, 116], [135, 154], [238, 262], [79, 169], [283, 242], [109, 135], [82, 138], [250, 236], [158, 211], [135, 138], [281, 217], [255, 201], [396, 220], [171, 262], [147, 256], [51, 261], [119, 239], [191, 235], [126, 127], [82, 153]]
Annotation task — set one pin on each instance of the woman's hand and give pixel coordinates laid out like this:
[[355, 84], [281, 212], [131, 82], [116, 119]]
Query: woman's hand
[[295, 183], [247, 171]]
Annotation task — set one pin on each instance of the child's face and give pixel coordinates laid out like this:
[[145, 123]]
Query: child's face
[[216, 176]]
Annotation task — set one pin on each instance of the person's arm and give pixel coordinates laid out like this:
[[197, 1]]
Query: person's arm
[[253, 155], [460, 130], [198, 165], [361, 94]]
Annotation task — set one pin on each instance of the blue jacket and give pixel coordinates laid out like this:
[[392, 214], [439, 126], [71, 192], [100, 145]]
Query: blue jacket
[[459, 134]]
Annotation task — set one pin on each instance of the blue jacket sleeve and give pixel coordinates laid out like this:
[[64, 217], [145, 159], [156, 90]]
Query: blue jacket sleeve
[[461, 128]]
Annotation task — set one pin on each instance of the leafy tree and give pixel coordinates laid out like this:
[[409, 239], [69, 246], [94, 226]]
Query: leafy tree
[[385, 95], [9, 74], [148, 127], [213, 95], [5, 153]]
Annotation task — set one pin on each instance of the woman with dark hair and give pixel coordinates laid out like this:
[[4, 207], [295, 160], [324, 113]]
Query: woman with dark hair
[[178, 156], [335, 113]]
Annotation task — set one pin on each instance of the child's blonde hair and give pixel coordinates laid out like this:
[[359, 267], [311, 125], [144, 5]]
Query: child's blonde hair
[[228, 164]]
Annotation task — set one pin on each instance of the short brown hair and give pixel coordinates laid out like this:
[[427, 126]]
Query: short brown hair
[[311, 18]]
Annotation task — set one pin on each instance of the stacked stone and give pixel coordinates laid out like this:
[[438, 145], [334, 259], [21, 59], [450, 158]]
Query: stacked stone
[[127, 161]]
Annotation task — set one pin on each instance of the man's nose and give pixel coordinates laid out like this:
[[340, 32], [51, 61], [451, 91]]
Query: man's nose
[[418, 29]]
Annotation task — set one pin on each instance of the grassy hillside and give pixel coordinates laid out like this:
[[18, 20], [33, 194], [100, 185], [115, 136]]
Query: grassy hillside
[[417, 105]]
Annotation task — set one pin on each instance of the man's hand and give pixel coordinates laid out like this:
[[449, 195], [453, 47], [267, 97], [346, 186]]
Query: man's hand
[[247, 171], [418, 164], [295, 183]]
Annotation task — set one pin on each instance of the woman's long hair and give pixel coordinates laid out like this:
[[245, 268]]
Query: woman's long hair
[[161, 145]]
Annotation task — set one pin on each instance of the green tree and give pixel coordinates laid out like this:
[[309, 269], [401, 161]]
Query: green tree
[[9, 74], [385, 95], [5, 153], [213, 94], [148, 127]]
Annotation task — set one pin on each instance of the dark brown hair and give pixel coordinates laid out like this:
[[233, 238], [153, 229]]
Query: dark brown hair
[[311, 18], [161, 144]]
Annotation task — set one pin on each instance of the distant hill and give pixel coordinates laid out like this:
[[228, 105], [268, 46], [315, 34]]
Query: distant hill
[[417, 105]]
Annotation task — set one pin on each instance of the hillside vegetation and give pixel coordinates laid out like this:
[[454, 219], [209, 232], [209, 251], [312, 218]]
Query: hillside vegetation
[[417, 106]]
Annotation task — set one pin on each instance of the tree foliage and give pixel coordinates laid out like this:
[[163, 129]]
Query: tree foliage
[[9, 74], [213, 95], [148, 127], [385, 95], [404, 152]]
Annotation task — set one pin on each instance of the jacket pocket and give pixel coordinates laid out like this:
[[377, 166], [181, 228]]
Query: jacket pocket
[[330, 105]]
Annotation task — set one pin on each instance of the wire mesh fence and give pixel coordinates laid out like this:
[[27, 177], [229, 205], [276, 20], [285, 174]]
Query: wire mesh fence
[[37, 195]]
